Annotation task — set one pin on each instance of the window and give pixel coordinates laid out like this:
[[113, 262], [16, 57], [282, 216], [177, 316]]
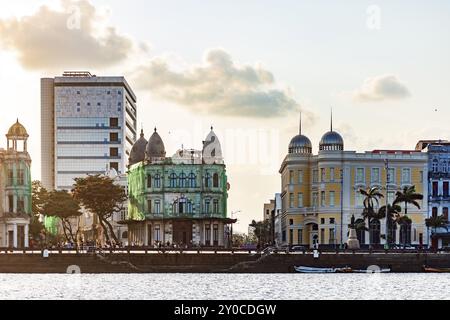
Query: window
[[21, 177], [315, 176], [291, 200], [375, 177], [183, 181], [300, 176], [331, 237], [216, 206], [434, 212], [173, 180], [291, 177], [113, 122], [20, 205], [405, 233], [332, 198], [149, 206], [157, 206], [149, 181], [315, 199], [113, 137], [332, 174], [11, 203], [99, 104], [291, 236], [445, 189], [332, 220], [360, 175], [157, 232], [114, 165], [445, 213], [435, 166], [322, 199], [322, 220], [435, 189], [299, 236], [207, 206], [10, 177], [322, 175], [215, 180], [322, 235], [108, 92], [190, 208], [406, 176], [391, 175], [88, 104], [359, 200], [78, 104], [157, 181], [374, 232], [119, 92], [113, 152], [300, 200], [207, 180], [78, 92], [192, 180], [391, 196], [208, 234], [291, 222], [216, 234]]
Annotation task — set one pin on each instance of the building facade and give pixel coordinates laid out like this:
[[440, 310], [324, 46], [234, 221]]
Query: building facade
[[439, 186], [320, 192], [15, 189], [88, 125], [269, 218], [179, 200]]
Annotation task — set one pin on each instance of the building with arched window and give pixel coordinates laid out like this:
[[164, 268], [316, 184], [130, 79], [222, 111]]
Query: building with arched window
[[320, 192], [178, 200], [15, 189]]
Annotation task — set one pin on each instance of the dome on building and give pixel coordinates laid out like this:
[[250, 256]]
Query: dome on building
[[212, 150], [300, 143], [331, 141], [137, 153], [155, 147], [17, 130]]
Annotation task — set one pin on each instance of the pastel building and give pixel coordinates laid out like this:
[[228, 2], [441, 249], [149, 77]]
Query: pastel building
[[15, 189], [439, 186], [179, 200], [88, 125], [320, 192]]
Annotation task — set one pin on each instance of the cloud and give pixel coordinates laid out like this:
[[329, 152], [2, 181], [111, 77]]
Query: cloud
[[218, 85], [73, 37], [380, 88]]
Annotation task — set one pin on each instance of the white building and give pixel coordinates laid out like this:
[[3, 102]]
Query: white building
[[88, 124], [278, 217]]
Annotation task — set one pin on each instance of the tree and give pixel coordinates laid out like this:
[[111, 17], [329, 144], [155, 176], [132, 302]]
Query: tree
[[262, 231], [100, 195], [408, 196], [393, 213], [62, 204], [371, 196], [437, 222], [39, 196]]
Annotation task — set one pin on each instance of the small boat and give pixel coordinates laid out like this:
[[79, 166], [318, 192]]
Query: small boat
[[303, 269], [436, 270]]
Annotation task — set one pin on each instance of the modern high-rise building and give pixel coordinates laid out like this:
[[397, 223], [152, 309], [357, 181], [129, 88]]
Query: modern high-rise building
[[88, 126]]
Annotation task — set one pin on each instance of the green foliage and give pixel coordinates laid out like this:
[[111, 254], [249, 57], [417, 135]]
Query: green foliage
[[262, 230], [437, 222], [101, 196]]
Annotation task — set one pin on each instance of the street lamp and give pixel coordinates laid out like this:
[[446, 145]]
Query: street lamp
[[231, 233]]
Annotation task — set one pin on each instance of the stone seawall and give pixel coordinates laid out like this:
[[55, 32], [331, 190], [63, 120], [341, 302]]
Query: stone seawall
[[212, 263]]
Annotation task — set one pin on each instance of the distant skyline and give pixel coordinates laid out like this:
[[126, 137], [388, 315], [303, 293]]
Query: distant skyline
[[245, 67]]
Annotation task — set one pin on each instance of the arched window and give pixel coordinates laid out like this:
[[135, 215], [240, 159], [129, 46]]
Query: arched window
[[173, 180], [216, 206], [192, 180], [405, 233], [374, 231], [444, 167], [182, 206], [190, 207], [183, 181], [207, 206], [207, 180], [215, 180], [361, 234], [392, 232], [157, 181]]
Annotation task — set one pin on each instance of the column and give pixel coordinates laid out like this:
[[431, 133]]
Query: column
[[15, 235], [26, 243], [212, 233]]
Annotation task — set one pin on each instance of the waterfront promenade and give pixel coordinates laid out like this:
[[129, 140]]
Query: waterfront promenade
[[209, 261]]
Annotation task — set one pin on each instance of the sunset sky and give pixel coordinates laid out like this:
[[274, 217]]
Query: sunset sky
[[245, 67]]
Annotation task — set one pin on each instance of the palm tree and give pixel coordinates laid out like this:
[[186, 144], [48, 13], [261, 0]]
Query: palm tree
[[437, 222], [393, 213], [371, 196], [408, 196]]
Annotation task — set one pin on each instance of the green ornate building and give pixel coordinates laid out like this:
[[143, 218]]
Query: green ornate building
[[178, 200]]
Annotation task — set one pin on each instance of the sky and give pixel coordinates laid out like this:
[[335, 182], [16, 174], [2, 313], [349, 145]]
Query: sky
[[247, 68]]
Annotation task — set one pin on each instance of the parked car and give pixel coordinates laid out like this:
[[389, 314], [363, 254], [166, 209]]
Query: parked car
[[298, 248]]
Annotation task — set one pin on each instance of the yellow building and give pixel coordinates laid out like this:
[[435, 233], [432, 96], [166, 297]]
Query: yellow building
[[320, 193]]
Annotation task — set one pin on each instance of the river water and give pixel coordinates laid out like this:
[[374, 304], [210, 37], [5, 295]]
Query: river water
[[225, 286]]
